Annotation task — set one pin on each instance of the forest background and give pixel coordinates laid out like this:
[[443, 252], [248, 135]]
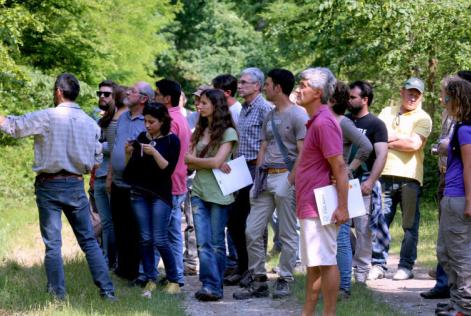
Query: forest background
[[192, 41]]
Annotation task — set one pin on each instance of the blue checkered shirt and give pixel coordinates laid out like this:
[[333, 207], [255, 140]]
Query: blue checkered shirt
[[250, 127], [65, 138]]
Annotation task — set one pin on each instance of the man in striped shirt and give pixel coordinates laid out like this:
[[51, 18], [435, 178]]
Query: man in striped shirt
[[66, 146]]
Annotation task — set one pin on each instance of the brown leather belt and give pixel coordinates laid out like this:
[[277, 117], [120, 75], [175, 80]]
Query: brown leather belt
[[252, 162], [58, 175], [276, 170]]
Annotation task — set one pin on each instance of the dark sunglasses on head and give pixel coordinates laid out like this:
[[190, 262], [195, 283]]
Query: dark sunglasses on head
[[103, 93]]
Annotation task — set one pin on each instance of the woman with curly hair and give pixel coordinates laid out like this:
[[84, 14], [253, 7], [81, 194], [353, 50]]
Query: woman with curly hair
[[454, 234], [212, 144]]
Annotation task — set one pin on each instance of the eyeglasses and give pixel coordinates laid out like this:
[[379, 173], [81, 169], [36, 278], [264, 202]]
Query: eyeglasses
[[243, 82], [106, 94], [397, 119]]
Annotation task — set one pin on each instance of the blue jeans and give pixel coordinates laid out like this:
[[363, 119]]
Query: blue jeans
[[54, 196], [404, 192], [231, 258], [175, 238], [152, 217], [102, 201], [344, 257], [210, 221]]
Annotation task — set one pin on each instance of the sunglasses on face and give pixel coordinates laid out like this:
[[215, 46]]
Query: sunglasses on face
[[103, 93]]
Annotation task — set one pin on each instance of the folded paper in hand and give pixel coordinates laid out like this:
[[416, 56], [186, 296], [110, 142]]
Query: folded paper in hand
[[326, 200], [238, 178]]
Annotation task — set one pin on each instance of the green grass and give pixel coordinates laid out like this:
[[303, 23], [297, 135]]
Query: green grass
[[428, 233], [23, 284]]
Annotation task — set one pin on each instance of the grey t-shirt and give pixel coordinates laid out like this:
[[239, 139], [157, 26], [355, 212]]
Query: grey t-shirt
[[291, 124]]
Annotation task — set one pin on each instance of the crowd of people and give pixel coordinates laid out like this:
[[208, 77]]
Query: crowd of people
[[152, 161]]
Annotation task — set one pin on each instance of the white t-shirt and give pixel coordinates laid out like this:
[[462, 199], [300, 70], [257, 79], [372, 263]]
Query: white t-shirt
[[235, 111]]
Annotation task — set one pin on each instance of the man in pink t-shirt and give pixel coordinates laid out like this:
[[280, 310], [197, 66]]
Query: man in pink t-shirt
[[168, 93], [321, 158]]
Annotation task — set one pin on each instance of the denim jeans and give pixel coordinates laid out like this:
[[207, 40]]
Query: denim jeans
[[54, 196], [175, 238], [404, 192], [102, 201], [152, 217], [210, 222], [344, 256], [231, 258]]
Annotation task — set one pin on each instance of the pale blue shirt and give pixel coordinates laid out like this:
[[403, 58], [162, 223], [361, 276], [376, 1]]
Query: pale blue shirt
[[65, 138], [127, 129]]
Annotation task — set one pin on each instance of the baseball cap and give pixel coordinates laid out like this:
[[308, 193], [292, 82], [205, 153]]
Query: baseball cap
[[201, 88], [414, 83]]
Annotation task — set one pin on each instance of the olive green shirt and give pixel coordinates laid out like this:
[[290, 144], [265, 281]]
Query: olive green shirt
[[205, 185]]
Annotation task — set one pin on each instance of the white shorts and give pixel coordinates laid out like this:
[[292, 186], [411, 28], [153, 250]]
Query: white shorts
[[318, 243]]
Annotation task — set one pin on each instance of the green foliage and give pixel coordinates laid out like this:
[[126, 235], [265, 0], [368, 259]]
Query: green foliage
[[208, 38]]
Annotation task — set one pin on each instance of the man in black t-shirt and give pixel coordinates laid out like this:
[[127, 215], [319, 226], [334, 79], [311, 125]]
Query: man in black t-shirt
[[361, 97]]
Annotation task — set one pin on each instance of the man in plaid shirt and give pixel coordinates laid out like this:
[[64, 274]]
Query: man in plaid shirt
[[254, 110]]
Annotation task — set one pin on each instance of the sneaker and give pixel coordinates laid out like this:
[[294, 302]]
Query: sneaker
[[172, 288], [257, 288], [343, 295], [376, 273], [403, 274], [282, 288], [360, 277], [148, 289]]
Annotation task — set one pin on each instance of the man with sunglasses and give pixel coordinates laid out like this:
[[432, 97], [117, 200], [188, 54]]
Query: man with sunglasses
[[130, 125], [408, 128]]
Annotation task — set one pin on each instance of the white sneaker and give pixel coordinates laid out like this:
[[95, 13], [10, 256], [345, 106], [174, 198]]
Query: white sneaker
[[403, 274], [376, 273]]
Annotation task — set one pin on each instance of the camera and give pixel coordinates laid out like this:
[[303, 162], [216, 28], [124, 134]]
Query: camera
[[434, 149]]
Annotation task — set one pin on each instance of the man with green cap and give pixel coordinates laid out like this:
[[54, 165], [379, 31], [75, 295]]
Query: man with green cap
[[408, 128]]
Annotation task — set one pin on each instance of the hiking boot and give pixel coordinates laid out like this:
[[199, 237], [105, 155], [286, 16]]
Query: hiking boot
[[247, 278], [403, 274], [148, 289], [257, 288], [172, 288], [435, 293], [376, 273], [282, 288], [343, 295], [205, 295]]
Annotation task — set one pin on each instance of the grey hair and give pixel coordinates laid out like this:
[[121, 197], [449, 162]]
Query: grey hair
[[320, 78], [256, 74], [146, 89]]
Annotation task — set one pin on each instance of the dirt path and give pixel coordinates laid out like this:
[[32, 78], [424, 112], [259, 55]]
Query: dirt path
[[404, 296], [229, 306]]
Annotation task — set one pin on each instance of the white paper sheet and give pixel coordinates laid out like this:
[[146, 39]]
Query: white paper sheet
[[238, 178], [326, 199]]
